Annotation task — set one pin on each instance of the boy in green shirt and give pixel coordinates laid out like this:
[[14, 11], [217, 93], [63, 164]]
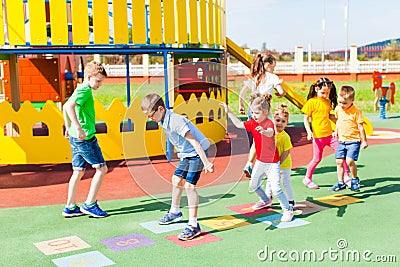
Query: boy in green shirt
[[80, 122]]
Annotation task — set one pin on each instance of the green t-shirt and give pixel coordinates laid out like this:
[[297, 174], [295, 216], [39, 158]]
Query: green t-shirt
[[84, 109]]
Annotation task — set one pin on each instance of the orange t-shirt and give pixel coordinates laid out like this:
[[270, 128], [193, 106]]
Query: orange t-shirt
[[318, 109], [347, 123]]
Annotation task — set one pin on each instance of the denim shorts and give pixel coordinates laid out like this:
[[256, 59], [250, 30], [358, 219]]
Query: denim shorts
[[190, 169], [348, 150], [86, 151]]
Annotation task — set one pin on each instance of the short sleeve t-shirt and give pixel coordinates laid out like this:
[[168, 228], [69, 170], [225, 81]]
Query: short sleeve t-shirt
[[266, 150], [266, 86], [283, 143], [347, 123], [175, 127], [318, 109], [84, 110]]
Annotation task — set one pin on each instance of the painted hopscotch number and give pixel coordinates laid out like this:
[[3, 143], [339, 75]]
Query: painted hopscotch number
[[130, 241], [61, 245], [88, 259]]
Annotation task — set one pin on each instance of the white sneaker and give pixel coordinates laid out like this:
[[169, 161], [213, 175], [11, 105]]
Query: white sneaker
[[287, 216], [261, 204]]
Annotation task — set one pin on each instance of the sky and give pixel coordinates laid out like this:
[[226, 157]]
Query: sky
[[285, 24]]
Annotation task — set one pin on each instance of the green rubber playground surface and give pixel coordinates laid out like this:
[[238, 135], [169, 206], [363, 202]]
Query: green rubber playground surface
[[355, 228]]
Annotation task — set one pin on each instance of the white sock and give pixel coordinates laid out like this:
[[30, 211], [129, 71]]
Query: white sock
[[193, 221], [174, 209]]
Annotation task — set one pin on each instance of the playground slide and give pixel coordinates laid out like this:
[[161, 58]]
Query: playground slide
[[291, 93], [246, 59]]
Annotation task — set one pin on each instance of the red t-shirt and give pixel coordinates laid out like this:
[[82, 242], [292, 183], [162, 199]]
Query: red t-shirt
[[266, 150]]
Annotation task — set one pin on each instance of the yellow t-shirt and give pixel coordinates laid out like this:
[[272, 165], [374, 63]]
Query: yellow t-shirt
[[347, 123], [283, 143], [318, 109]]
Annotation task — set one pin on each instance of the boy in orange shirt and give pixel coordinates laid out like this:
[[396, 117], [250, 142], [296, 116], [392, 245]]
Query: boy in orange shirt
[[351, 136]]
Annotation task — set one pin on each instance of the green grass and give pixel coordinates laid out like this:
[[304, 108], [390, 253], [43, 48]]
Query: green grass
[[364, 94]]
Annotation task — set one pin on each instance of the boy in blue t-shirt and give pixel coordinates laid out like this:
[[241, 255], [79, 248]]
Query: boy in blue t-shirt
[[191, 145], [80, 122]]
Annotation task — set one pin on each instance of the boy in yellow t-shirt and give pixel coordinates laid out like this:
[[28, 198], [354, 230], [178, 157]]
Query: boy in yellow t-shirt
[[351, 135], [284, 145]]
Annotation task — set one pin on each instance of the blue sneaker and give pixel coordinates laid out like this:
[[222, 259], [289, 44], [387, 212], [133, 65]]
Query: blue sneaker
[[68, 213], [355, 184], [170, 218], [94, 210], [338, 186], [190, 232]]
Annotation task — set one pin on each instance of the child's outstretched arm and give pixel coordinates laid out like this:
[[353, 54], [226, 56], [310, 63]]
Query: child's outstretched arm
[[280, 92], [235, 120], [363, 136], [269, 132], [308, 127], [208, 166]]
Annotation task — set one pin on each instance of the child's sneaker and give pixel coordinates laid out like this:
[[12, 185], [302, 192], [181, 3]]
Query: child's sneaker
[[287, 215], [247, 171], [338, 186], [355, 184], [170, 218], [261, 204], [68, 213], [292, 203], [309, 183], [93, 210], [190, 232], [347, 181]]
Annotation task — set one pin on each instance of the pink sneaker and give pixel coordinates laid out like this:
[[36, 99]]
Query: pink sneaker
[[309, 183], [261, 204], [287, 216]]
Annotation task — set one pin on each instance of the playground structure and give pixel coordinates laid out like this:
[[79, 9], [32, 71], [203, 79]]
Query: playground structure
[[384, 95], [55, 33]]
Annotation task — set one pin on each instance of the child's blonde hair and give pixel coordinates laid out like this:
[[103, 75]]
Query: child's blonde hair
[[93, 68], [264, 101], [347, 92], [282, 111]]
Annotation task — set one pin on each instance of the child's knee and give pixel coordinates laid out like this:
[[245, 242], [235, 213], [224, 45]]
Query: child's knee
[[177, 181]]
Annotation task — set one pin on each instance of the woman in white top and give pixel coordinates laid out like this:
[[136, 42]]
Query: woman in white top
[[262, 80]]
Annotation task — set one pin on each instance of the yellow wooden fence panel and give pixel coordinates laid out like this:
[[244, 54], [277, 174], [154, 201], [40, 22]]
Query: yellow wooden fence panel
[[2, 23], [203, 22], [194, 25], [37, 22], [15, 23], [58, 22], [80, 22], [120, 19], [100, 22], [223, 23], [169, 21], [139, 22], [211, 39], [155, 22], [181, 21]]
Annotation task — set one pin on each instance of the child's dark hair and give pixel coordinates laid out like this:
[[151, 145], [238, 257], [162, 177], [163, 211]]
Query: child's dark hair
[[262, 100], [283, 111], [323, 81], [257, 69], [151, 102], [347, 92]]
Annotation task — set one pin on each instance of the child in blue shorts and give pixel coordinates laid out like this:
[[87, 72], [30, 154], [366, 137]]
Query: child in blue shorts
[[80, 122], [191, 145], [351, 135]]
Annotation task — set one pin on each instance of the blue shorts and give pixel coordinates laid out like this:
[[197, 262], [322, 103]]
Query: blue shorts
[[86, 151], [190, 169], [348, 150]]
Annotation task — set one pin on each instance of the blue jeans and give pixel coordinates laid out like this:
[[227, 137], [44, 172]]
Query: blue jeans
[[86, 151], [348, 150], [190, 169]]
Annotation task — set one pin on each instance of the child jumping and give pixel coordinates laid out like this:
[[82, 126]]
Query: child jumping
[[284, 145], [267, 156], [191, 145], [321, 100], [262, 80], [351, 134], [80, 122]]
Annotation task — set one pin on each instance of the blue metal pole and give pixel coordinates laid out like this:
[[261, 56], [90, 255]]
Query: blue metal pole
[[169, 148]]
